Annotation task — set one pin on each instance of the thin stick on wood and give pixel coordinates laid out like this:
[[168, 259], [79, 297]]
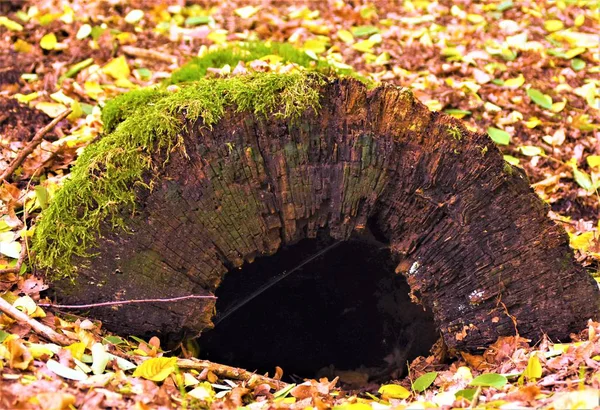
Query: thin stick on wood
[[37, 139], [38, 327], [126, 302], [149, 54], [229, 372]]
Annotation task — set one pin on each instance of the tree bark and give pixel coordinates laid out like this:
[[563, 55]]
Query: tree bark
[[469, 234]]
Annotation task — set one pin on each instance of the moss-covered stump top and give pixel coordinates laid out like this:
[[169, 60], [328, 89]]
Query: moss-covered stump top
[[140, 127], [190, 183]]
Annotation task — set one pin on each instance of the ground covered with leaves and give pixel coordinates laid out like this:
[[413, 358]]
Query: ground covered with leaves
[[525, 72]]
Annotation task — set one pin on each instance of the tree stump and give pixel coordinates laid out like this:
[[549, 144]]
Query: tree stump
[[464, 227]]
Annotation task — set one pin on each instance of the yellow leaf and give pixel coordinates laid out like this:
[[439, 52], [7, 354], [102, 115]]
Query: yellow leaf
[[558, 106], [553, 25], [533, 122], [77, 111], [577, 39], [25, 304], [93, 89], [345, 36], [25, 98], [594, 162], [203, 392], [76, 349], [515, 82], [582, 242], [50, 109], [38, 350], [393, 391], [60, 97], [9, 24], [218, 36], [117, 68], [156, 369], [314, 45], [21, 46], [49, 42], [475, 18], [579, 20], [247, 12], [364, 46], [533, 369]]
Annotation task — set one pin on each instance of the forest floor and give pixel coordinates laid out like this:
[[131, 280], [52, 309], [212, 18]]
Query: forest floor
[[528, 73]]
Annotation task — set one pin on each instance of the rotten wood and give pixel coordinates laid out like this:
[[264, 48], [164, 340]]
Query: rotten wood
[[464, 227]]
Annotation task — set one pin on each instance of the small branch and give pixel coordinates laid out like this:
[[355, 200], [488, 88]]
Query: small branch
[[38, 327], [126, 302], [229, 372], [149, 54], [37, 139]]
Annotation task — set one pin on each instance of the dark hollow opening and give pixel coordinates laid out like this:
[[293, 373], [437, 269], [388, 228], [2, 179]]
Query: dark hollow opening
[[345, 310]]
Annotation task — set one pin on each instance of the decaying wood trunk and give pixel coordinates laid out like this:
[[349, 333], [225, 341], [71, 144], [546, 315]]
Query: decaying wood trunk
[[469, 234]]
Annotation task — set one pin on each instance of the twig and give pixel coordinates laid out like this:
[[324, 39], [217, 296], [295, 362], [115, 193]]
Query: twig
[[149, 54], [229, 372], [126, 302], [38, 327], [37, 139]]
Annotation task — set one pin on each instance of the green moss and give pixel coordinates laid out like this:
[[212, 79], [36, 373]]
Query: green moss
[[508, 169], [455, 132], [141, 124], [232, 54]]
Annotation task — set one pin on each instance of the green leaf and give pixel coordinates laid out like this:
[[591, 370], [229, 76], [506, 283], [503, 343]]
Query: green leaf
[[156, 369], [583, 179], [466, 393], [3, 335], [65, 372], [41, 195], [284, 392], [499, 136], [363, 31], [393, 391], [533, 369], [456, 113], [531, 151], [577, 64], [512, 160], [489, 380], [424, 381], [197, 20], [115, 340], [72, 72], [505, 5], [541, 99]]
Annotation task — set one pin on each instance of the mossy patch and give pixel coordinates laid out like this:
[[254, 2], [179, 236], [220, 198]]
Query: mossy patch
[[140, 125], [232, 54]]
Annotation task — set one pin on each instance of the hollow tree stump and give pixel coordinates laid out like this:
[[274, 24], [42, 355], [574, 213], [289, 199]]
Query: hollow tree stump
[[471, 237]]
